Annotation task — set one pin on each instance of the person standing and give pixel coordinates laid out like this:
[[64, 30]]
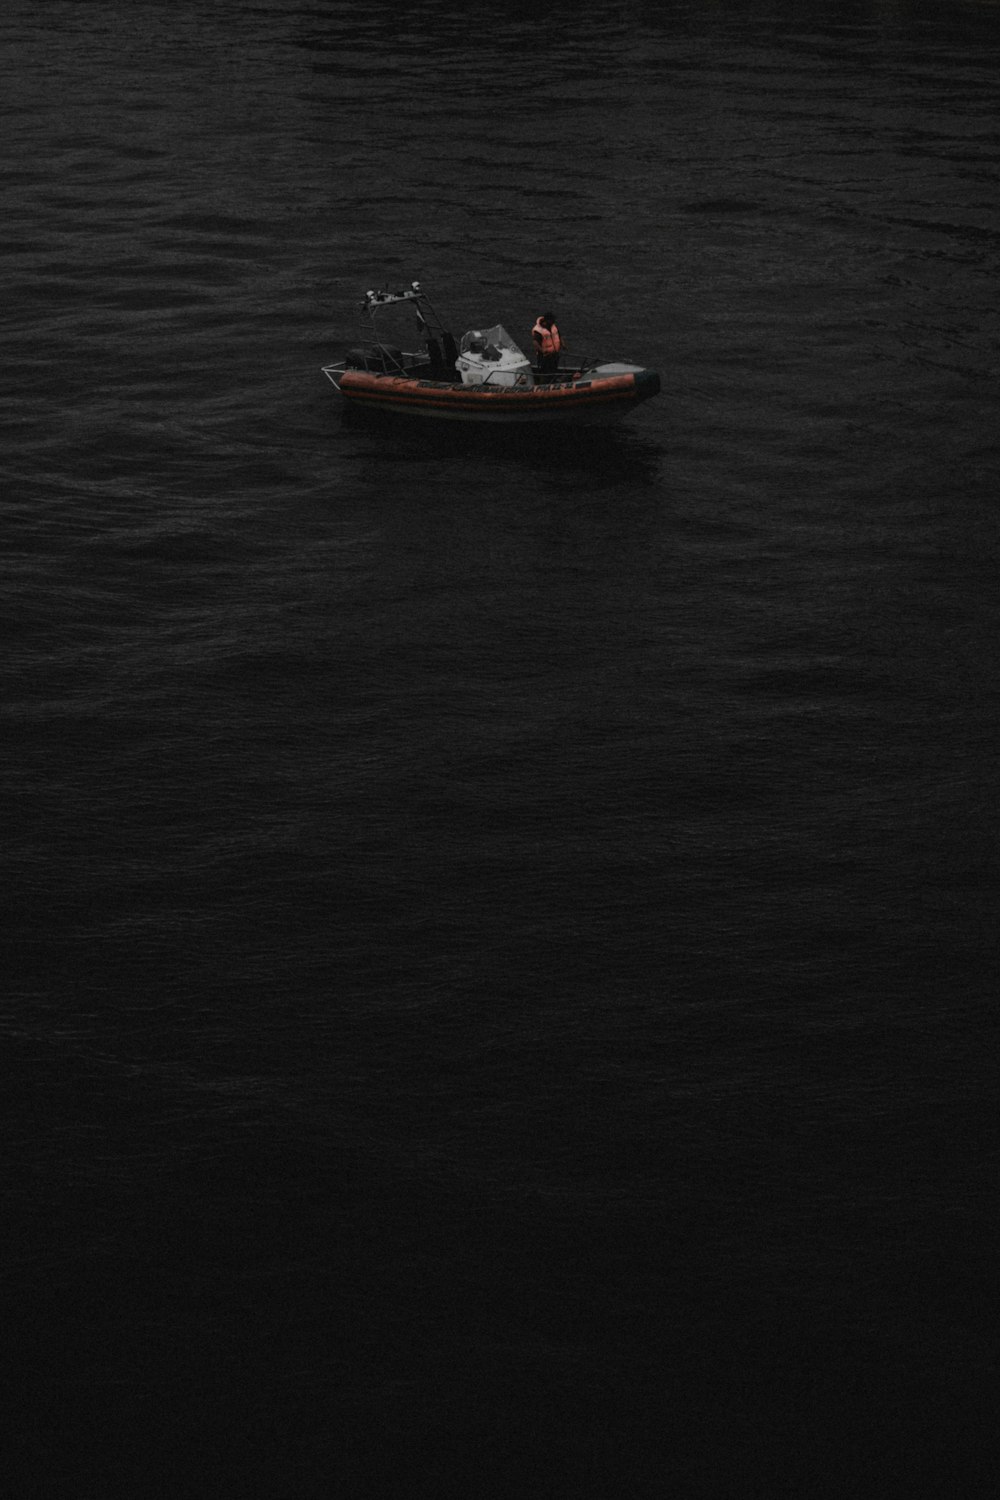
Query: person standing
[[545, 336]]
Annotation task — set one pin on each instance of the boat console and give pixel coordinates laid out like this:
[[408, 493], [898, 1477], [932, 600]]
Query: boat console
[[491, 357]]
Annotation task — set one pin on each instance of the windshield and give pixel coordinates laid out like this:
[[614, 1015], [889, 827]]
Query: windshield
[[490, 342]]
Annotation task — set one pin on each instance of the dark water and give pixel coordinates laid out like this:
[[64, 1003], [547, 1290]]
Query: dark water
[[502, 938]]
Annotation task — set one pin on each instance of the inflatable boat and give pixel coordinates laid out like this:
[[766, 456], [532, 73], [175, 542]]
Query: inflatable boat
[[484, 378]]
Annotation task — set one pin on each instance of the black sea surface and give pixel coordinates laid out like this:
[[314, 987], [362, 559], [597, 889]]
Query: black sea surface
[[501, 937]]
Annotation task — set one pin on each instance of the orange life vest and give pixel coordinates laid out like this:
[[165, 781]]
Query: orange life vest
[[547, 339]]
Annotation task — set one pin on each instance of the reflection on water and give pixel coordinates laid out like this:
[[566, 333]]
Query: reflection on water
[[601, 455]]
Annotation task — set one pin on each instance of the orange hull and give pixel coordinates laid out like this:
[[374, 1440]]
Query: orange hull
[[598, 399]]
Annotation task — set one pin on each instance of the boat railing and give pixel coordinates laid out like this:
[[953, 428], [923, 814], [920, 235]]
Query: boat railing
[[569, 361]]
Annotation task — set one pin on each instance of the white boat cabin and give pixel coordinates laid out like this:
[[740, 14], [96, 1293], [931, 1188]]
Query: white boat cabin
[[489, 356]]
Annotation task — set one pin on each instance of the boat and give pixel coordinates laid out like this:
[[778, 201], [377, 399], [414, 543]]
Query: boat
[[484, 377]]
